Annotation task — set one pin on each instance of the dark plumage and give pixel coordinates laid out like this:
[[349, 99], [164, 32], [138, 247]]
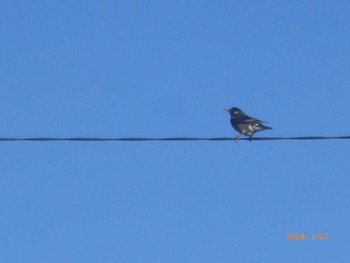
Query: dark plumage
[[245, 124]]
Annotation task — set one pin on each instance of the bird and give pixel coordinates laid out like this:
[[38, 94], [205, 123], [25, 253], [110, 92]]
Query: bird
[[245, 124]]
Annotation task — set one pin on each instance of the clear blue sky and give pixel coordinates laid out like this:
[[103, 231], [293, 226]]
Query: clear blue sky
[[168, 68]]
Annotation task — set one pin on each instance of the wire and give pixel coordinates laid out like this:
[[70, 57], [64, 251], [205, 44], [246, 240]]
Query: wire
[[137, 139]]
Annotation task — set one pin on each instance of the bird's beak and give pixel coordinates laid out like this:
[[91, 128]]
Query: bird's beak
[[226, 109]]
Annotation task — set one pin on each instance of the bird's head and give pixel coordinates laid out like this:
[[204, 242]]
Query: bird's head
[[234, 111]]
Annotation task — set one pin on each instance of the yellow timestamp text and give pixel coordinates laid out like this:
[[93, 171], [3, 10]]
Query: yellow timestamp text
[[305, 236]]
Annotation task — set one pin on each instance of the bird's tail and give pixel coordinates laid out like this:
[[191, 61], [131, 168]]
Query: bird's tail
[[265, 127]]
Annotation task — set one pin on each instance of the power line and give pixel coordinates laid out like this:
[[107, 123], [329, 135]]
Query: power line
[[138, 139]]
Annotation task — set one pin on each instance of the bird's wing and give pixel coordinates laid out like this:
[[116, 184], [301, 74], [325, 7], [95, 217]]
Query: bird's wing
[[250, 120]]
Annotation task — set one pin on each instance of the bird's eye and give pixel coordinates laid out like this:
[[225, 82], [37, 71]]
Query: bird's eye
[[235, 112]]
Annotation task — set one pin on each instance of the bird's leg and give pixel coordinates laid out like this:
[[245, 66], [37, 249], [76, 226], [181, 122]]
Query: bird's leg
[[237, 138], [250, 138]]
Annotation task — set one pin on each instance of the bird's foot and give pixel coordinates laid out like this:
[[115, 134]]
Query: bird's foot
[[237, 138]]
